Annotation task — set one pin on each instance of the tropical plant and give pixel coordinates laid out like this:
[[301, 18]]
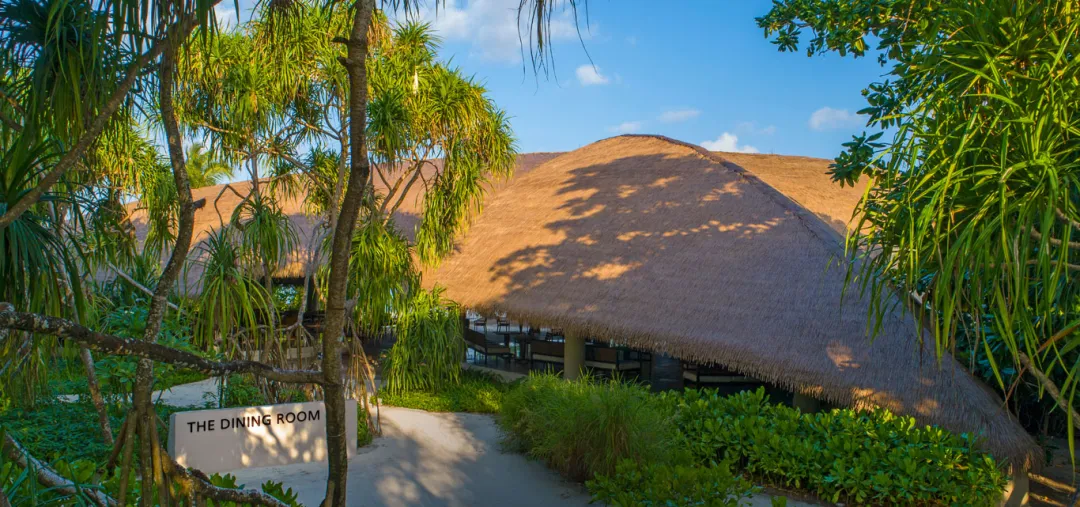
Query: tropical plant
[[477, 392], [429, 350], [204, 168], [634, 485], [841, 455], [588, 427], [265, 233], [231, 304], [974, 206], [70, 72]]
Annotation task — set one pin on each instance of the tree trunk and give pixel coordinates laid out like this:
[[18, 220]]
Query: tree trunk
[[334, 388], [95, 395], [144, 373]]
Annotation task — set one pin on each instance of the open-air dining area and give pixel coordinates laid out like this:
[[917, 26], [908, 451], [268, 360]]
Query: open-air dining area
[[520, 348]]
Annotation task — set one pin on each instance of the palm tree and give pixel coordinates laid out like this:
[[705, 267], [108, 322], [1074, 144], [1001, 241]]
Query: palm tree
[[66, 104], [204, 168]]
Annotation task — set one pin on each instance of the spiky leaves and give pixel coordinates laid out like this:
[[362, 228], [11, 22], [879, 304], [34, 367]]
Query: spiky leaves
[[230, 300], [429, 350], [976, 205], [420, 110], [265, 233]]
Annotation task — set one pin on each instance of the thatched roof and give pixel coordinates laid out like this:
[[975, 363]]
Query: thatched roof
[[708, 257], [221, 201]]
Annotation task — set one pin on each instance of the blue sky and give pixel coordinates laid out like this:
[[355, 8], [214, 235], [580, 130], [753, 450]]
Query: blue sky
[[696, 70]]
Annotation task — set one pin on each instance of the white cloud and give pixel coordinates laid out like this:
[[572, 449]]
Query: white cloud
[[627, 127], [728, 142], [590, 75], [491, 27], [226, 16], [631, 41], [679, 115], [828, 118], [770, 130]]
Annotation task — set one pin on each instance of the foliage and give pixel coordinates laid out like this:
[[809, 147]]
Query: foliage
[[428, 352], [117, 373], [841, 455], [230, 299], [382, 277], [204, 168], [975, 206], [586, 428], [364, 435], [287, 297], [36, 267], [22, 488], [420, 109], [265, 233], [647, 485], [242, 391], [77, 437], [477, 392]]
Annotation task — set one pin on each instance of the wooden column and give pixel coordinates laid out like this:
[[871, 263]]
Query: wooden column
[[805, 403], [573, 356]]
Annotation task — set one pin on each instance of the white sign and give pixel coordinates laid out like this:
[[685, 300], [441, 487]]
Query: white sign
[[233, 438]]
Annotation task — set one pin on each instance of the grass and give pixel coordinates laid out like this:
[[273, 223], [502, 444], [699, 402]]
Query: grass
[[478, 392], [68, 431]]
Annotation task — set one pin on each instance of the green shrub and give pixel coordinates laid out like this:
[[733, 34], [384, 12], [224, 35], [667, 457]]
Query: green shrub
[[429, 350], [864, 457], [242, 391], [56, 430], [364, 435], [667, 485], [585, 428], [477, 392]]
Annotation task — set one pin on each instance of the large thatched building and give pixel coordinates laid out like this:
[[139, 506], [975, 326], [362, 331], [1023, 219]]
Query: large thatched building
[[720, 258], [730, 259]]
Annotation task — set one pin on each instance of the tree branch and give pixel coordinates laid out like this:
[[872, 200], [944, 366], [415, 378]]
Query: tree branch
[[142, 288], [1068, 266], [1053, 241], [114, 345], [10, 122], [202, 485], [49, 477], [1051, 388], [1063, 216], [408, 187], [93, 131]]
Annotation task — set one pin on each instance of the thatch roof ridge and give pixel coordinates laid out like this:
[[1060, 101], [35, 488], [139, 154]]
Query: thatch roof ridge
[[662, 245]]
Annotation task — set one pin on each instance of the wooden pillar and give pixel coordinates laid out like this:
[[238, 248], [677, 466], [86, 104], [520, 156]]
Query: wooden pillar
[[573, 356], [805, 404], [1016, 491]]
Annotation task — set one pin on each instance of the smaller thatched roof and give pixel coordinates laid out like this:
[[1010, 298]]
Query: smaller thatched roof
[[221, 200], [720, 258]]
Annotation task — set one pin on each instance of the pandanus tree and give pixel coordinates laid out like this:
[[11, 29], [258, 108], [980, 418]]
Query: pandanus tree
[[93, 64], [975, 207]]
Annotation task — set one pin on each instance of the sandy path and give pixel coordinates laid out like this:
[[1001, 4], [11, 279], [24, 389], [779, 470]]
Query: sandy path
[[432, 459], [424, 459]]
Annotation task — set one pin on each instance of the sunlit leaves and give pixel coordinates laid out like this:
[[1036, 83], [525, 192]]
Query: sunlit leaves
[[429, 350], [421, 109], [976, 203], [265, 233], [230, 299], [382, 276]]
